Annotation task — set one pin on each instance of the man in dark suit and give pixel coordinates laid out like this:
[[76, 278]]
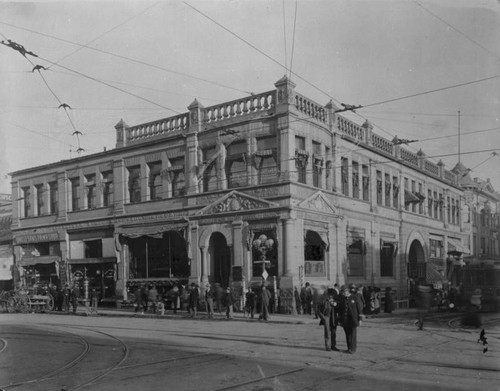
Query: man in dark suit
[[351, 316], [328, 313]]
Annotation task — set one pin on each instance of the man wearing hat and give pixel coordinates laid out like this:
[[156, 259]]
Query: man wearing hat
[[351, 310], [328, 313]]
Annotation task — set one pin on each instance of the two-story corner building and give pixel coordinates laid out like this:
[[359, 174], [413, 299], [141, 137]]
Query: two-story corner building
[[271, 186], [482, 208]]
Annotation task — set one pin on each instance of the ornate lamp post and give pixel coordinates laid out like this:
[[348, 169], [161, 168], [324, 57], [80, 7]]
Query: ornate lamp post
[[263, 245]]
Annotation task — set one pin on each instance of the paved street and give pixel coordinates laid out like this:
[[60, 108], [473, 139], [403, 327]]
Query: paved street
[[120, 351]]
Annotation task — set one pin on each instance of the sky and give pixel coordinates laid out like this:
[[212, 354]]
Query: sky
[[412, 65]]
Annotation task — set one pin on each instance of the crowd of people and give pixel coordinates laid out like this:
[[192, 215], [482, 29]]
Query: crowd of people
[[212, 298]]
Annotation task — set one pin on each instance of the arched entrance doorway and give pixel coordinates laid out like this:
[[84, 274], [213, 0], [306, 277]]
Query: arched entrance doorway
[[220, 256], [416, 269]]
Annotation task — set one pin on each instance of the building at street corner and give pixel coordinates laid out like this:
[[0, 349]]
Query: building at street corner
[[270, 186]]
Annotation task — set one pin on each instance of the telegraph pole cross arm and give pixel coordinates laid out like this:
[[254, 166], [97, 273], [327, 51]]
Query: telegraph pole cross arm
[[399, 141], [17, 47], [348, 108]]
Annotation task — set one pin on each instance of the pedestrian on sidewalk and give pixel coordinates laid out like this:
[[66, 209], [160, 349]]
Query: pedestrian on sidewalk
[[75, 294], [351, 310], [328, 313], [423, 299], [194, 297], [138, 300], [153, 298], [265, 298], [219, 295], [229, 300], [250, 302], [298, 301], [209, 301]]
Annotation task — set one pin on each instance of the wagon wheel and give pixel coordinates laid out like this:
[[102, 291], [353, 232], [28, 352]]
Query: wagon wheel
[[23, 304], [11, 305], [49, 303]]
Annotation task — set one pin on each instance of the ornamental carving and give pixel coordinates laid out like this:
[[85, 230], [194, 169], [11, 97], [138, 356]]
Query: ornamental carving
[[234, 202]]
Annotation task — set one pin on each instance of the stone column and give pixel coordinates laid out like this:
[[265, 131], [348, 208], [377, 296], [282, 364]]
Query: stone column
[[238, 242], [63, 186], [205, 266], [120, 187], [193, 164]]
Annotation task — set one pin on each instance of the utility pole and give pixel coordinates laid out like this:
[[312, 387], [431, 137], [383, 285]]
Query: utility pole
[[458, 136]]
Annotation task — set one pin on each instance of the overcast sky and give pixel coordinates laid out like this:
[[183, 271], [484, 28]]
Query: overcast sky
[[143, 61]]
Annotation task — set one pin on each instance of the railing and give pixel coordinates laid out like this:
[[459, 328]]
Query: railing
[[431, 167], [382, 144], [450, 177], [240, 107], [351, 129], [155, 128], [310, 108], [409, 157]]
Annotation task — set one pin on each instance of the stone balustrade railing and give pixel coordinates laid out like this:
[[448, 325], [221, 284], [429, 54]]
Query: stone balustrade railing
[[409, 157], [240, 107], [351, 129], [310, 108], [382, 144], [156, 128], [431, 167]]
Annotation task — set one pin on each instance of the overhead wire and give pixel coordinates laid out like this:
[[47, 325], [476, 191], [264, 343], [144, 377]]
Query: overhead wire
[[293, 38]]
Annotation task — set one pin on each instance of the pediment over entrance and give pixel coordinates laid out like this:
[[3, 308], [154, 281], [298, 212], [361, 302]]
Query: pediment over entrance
[[320, 203], [235, 202]]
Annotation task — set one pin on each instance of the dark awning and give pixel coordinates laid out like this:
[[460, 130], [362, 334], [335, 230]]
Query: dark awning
[[41, 260], [155, 231], [91, 260], [457, 248]]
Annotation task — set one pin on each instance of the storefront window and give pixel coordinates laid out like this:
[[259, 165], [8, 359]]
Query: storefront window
[[355, 256], [314, 255], [388, 252]]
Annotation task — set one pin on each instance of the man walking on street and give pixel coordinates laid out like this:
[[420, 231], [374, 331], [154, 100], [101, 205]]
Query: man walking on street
[[265, 298], [351, 316], [327, 311]]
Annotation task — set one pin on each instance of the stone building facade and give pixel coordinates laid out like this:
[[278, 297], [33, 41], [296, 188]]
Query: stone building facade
[[272, 186]]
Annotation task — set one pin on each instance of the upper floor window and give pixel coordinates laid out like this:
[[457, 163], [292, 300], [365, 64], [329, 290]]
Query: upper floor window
[[208, 174], [379, 187], [53, 197], [266, 160], [177, 177], [436, 248], [436, 206], [422, 198], [355, 179], [90, 191], [26, 201], [413, 190], [395, 192], [236, 165], [430, 203], [387, 192], [301, 158], [39, 199], [75, 193], [154, 181], [107, 188], [134, 184], [93, 248], [365, 182], [344, 174]]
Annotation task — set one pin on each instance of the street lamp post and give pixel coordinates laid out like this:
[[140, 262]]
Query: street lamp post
[[263, 245]]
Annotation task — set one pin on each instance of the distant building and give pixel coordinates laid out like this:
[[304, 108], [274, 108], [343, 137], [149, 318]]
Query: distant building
[[271, 186], [6, 248]]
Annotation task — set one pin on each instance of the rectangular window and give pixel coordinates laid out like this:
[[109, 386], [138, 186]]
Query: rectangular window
[[107, 188], [355, 256], [436, 248], [379, 187], [387, 192], [344, 171], [422, 198], [53, 197], [407, 188], [154, 181], [75, 193], [395, 192], [177, 177], [26, 201], [436, 206], [93, 248], [266, 160], [236, 166], [134, 184], [301, 158], [430, 203], [355, 179], [413, 190], [388, 252], [39, 199], [90, 191], [208, 173], [365, 182], [318, 160]]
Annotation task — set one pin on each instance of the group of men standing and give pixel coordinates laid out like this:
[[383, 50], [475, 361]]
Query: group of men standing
[[342, 307]]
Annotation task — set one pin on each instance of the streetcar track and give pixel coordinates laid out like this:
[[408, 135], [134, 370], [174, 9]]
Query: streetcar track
[[5, 344]]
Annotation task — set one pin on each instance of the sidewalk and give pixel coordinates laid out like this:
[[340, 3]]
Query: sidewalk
[[237, 316]]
